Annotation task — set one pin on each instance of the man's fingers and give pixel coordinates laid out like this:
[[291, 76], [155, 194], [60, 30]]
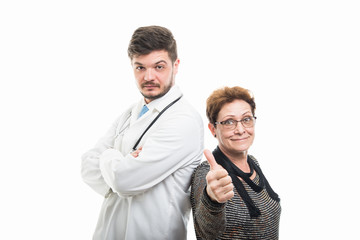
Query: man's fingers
[[210, 158], [136, 152]]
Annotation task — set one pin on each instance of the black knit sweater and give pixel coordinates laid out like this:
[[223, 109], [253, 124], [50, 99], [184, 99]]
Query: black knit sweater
[[232, 220]]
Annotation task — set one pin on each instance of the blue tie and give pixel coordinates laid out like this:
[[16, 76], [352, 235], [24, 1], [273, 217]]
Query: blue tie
[[143, 111]]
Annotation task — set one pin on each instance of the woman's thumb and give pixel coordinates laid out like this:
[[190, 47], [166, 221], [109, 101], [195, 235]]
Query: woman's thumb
[[210, 158]]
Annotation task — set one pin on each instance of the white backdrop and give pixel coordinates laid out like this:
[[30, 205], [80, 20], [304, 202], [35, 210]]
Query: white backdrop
[[65, 77]]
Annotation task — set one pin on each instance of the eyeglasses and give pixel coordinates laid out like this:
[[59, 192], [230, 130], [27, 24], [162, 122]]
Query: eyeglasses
[[231, 124]]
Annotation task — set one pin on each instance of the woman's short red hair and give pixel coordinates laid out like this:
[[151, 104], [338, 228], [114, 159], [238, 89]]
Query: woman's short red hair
[[224, 95]]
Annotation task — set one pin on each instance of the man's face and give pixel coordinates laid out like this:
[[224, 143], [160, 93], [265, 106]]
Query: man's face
[[154, 74]]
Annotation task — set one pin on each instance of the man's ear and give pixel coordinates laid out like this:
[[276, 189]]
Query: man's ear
[[176, 66]]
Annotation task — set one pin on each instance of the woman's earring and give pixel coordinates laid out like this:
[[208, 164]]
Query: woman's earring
[[215, 135]]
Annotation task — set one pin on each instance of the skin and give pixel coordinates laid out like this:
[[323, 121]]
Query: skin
[[234, 144], [154, 73]]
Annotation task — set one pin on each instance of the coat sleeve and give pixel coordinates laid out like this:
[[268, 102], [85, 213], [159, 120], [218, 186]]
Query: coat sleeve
[[209, 216], [90, 169], [172, 147]]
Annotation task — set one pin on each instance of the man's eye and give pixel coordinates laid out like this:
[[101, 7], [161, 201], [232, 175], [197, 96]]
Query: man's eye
[[139, 68], [159, 67]]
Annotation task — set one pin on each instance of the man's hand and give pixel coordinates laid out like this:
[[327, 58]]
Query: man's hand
[[136, 152], [219, 184]]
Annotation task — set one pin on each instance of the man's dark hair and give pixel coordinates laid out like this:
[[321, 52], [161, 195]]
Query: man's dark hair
[[151, 38]]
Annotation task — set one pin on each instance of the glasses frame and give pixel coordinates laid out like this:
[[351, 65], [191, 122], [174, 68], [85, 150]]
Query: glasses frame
[[237, 121]]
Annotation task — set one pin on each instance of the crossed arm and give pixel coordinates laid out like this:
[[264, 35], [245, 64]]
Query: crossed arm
[[175, 145]]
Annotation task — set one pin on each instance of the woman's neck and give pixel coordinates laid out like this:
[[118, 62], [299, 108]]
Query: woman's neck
[[238, 158]]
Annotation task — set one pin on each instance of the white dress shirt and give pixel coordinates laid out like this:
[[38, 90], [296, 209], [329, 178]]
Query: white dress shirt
[[149, 196]]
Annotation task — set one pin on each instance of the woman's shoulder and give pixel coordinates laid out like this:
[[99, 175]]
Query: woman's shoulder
[[254, 160], [204, 166], [201, 170]]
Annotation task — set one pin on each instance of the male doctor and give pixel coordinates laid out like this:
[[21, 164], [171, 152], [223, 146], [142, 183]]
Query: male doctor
[[146, 189]]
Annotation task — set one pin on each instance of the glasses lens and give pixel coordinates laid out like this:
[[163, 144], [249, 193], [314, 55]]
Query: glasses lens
[[248, 122], [231, 124]]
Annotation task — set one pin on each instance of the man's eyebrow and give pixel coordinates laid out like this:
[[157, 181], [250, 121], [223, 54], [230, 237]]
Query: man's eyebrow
[[158, 62], [161, 61]]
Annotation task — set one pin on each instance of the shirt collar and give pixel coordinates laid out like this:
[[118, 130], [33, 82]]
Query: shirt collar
[[160, 103]]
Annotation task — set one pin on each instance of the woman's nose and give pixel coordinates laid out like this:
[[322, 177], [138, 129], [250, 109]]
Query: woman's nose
[[239, 128]]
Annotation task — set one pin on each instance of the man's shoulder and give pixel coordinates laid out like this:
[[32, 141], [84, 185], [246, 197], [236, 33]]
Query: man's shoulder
[[185, 104], [127, 113], [184, 112]]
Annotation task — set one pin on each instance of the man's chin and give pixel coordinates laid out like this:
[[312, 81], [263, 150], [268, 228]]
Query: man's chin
[[152, 95], [155, 93]]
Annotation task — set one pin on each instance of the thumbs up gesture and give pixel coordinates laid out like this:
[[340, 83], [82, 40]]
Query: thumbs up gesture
[[219, 184]]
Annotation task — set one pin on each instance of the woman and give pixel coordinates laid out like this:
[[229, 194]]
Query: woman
[[230, 196]]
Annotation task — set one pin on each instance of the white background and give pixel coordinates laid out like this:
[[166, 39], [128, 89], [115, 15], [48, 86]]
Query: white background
[[65, 77]]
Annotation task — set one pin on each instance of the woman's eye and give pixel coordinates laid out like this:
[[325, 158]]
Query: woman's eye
[[247, 119], [229, 122]]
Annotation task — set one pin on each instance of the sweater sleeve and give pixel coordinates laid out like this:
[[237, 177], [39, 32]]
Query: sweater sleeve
[[209, 216]]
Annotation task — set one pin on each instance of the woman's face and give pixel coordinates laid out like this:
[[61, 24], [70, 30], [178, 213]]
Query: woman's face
[[237, 140]]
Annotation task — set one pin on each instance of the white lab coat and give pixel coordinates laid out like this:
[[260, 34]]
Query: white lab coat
[[150, 198]]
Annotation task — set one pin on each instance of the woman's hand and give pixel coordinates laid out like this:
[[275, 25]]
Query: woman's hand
[[136, 152], [219, 184]]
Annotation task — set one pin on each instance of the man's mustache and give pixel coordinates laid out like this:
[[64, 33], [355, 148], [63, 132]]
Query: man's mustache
[[150, 85]]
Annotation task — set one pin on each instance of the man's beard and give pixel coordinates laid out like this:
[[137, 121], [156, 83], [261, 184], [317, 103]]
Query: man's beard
[[162, 93]]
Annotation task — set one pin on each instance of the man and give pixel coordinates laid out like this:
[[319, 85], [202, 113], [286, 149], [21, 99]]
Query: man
[[147, 190]]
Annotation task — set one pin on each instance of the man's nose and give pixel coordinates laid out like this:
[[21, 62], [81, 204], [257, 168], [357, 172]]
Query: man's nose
[[149, 74]]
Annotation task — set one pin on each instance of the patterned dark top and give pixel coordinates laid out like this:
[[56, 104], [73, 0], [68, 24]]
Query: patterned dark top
[[231, 220]]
